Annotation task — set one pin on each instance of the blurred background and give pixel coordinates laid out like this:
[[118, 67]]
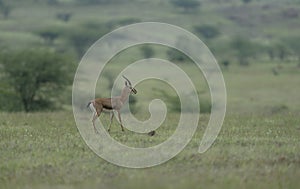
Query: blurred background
[[255, 42]]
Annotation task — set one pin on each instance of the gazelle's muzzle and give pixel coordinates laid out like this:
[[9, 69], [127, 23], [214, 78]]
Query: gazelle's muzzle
[[133, 90]]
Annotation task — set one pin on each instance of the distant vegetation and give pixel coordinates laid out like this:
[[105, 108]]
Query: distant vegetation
[[242, 32], [207, 31], [186, 5], [5, 8]]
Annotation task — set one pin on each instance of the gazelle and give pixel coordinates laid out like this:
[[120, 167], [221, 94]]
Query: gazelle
[[99, 104]]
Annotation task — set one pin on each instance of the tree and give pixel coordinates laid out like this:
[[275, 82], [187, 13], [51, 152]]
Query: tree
[[52, 2], [147, 51], [207, 31], [177, 56], [5, 9], [49, 34], [246, 1], [293, 43], [36, 76], [187, 5], [278, 50], [100, 2], [244, 49], [64, 16], [85, 35]]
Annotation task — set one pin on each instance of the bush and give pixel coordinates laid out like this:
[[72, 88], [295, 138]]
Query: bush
[[133, 104], [9, 100], [49, 34], [207, 31], [147, 51], [293, 43], [244, 48], [278, 50], [177, 56], [84, 35], [100, 2], [186, 5], [5, 9], [246, 1], [65, 16], [36, 78]]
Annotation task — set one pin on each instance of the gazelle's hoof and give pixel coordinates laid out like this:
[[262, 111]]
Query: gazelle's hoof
[[151, 133]]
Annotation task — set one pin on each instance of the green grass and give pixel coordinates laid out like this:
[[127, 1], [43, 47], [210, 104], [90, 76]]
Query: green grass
[[256, 89], [259, 144], [251, 151]]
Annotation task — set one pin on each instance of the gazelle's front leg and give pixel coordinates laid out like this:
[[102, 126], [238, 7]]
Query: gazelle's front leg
[[111, 118], [119, 115]]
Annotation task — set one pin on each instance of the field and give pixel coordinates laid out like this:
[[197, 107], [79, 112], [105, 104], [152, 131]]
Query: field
[[251, 151], [258, 146]]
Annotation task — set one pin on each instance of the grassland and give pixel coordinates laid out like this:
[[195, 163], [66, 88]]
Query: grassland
[[259, 144], [251, 151]]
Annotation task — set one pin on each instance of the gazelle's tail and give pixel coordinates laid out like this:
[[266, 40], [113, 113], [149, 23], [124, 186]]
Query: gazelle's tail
[[88, 104], [91, 106]]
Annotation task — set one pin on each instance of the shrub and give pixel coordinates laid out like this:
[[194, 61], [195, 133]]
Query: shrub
[[84, 35], [207, 31], [244, 48], [177, 56], [66, 16], [147, 51], [5, 9], [36, 77], [49, 34], [186, 5]]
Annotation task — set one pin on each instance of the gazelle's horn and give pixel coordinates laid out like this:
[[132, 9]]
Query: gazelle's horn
[[127, 80]]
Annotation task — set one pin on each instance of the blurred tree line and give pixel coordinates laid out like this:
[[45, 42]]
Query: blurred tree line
[[38, 78]]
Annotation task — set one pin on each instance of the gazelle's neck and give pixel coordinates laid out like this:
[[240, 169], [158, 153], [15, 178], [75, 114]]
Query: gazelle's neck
[[124, 94]]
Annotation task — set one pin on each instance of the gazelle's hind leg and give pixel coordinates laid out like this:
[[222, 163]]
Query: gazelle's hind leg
[[111, 119], [95, 116], [119, 115], [97, 111]]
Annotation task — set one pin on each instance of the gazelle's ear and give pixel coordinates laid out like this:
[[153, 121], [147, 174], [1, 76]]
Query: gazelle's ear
[[126, 84]]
